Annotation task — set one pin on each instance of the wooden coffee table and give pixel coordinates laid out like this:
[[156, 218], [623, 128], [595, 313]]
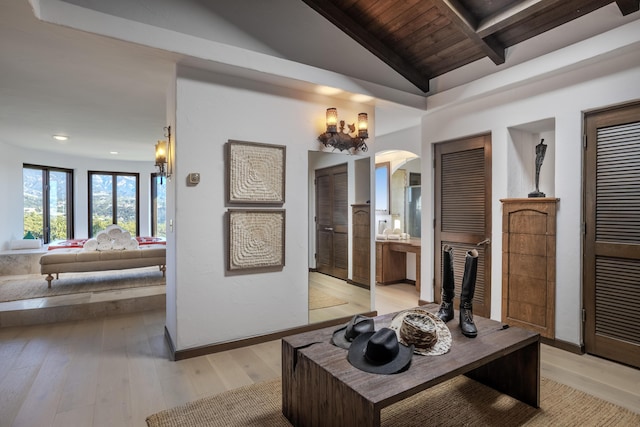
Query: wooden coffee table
[[321, 388]]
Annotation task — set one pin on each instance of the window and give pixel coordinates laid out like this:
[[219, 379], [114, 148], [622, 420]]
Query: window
[[48, 202], [158, 206], [113, 199]]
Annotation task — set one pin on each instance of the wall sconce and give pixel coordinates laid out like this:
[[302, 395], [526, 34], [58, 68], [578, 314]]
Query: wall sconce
[[163, 152], [339, 138]]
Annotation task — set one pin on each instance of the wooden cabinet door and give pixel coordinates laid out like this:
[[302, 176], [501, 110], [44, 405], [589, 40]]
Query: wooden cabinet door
[[529, 264], [378, 262], [361, 245], [391, 266]]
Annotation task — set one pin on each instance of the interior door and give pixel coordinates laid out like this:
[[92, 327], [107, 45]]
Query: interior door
[[611, 267], [462, 197], [332, 216]]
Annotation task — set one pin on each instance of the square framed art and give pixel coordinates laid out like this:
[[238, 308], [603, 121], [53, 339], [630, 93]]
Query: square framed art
[[255, 173], [255, 239]]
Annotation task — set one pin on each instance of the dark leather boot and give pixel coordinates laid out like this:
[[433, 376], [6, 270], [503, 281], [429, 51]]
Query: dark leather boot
[[448, 287], [466, 297]]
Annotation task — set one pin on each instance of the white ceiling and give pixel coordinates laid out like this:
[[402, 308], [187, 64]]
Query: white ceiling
[[109, 95]]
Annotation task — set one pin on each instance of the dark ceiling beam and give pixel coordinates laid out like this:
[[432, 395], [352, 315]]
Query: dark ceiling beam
[[461, 17], [512, 15], [370, 42], [628, 6]]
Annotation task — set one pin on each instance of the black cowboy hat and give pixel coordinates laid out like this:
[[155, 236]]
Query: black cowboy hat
[[379, 352], [358, 324]]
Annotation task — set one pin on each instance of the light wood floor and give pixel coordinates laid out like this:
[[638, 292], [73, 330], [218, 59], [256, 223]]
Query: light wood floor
[[358, 300], [115, 371]]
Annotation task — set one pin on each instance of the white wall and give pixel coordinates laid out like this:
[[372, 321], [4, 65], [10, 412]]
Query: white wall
[[11, 161], [562, 97], [211, 305], [212, 109], [11, 208], [190, 17], [171, 322], [408, 139]]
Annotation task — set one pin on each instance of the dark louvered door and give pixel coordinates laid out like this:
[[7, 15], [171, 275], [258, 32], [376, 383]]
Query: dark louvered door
[[462, 197], [612, 234], [332, 221]]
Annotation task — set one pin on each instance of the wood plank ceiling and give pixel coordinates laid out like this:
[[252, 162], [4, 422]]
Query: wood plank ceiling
[[422, 39]]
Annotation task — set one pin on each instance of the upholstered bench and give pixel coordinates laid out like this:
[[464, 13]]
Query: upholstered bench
[[79, 260]]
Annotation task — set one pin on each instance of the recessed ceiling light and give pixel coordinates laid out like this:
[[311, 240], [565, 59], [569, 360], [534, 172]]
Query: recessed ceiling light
[[113, 152], [60, 137], [327, 90], [361, 98]]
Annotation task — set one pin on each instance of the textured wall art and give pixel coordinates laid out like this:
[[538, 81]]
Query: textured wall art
[[255, 173], [256, 238]]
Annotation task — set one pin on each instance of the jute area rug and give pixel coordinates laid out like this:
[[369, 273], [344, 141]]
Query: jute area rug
[[28, 286], [319, 299], [458, 402]]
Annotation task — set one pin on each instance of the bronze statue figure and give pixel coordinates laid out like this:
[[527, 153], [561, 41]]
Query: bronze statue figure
[[541, 150]]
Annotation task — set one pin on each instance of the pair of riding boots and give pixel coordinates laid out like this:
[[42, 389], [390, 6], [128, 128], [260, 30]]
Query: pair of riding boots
[[466, 296]]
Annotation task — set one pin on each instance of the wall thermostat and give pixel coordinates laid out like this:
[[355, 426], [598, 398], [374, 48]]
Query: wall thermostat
[[193, 178]]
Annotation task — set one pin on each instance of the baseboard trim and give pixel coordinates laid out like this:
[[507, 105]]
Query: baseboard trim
[[230, 345], [172, 349], [360, 285], [563, 345]]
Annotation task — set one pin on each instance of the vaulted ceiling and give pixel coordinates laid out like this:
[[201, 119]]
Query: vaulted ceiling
[[107, 89], [423, 39]]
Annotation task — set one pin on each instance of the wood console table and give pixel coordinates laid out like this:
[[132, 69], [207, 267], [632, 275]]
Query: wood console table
[[321, 388], [391, 260]]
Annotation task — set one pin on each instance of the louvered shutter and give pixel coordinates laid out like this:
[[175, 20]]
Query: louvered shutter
[[618, 222], [612, 241], [463, 182], [462, 199]]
